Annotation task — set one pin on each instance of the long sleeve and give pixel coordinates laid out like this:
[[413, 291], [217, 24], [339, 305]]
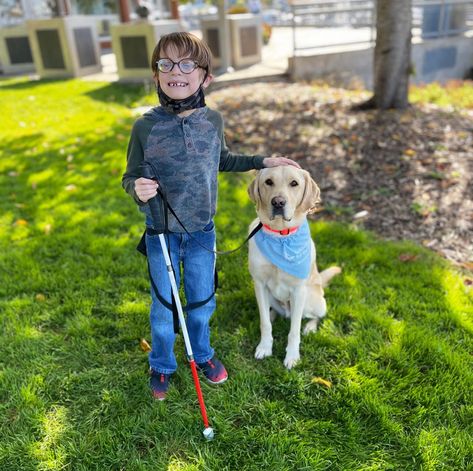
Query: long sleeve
[[134, 158], [231, 162]]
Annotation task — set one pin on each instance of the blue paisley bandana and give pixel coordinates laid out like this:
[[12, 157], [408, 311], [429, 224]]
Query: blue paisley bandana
[[289, 253]]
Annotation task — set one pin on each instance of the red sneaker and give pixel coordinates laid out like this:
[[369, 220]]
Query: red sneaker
[[214, 371], [159, 384]]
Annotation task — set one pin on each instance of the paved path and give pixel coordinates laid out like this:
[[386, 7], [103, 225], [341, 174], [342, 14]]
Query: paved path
[[275, 54]]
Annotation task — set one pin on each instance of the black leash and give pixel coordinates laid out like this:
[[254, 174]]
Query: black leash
[[159, 214]]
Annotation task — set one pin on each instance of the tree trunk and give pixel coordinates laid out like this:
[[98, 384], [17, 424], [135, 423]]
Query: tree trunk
[[124, 10], [392, 55]]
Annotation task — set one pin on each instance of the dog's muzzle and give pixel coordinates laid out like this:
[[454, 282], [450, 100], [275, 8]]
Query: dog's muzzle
[[278, 203]]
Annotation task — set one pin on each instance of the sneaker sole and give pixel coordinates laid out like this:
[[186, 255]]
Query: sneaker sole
[[157, 397], [215, 382]]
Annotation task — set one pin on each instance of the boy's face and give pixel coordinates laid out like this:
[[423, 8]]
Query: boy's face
[[176, 84]]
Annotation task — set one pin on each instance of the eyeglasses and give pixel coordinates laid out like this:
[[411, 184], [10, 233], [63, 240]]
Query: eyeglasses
[[186, 66]]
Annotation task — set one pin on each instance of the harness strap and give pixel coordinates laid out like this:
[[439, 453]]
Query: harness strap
[[189, 306], [158, 211]]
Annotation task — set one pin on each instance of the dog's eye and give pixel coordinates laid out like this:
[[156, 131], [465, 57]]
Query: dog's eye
[[269, 182], [294, 183]]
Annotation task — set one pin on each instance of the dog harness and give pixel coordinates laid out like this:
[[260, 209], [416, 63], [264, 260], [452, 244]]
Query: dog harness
[[290, 253]]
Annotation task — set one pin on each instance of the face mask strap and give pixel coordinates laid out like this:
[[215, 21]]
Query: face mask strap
[[196, 100]]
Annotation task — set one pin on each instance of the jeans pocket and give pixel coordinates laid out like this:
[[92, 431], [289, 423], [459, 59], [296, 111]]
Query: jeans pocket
[[209, 227]]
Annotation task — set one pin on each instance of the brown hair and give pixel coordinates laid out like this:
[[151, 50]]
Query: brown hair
[[187, 45]]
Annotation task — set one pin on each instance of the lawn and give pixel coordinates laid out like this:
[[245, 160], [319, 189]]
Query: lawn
[[395, 350]]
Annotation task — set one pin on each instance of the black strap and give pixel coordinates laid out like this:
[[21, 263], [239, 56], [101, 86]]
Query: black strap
[[151, 231], [189, 306], [159, 211]]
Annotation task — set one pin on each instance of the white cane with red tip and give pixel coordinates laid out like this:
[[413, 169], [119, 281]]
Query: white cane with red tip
[[159, 216], [208, 431]]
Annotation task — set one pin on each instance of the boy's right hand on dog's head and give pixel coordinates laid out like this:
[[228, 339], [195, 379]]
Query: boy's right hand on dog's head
[[145, 189]]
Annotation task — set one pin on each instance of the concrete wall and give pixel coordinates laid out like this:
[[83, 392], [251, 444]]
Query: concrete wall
[[340, 65], [435, 60], [442, 59]]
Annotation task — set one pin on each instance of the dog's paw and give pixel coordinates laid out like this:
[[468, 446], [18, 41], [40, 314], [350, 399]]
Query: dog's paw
[[311, 326], [263, 350], [291, 360]]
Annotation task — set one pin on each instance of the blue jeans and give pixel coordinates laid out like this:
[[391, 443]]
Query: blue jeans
[[198, 267]]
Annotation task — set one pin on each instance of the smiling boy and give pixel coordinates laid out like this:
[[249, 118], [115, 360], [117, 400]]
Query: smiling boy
[[184, 140]]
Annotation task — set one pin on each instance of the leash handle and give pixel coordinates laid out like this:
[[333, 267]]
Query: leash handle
[[158, 208]]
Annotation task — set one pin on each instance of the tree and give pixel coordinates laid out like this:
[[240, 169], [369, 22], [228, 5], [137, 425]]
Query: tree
[[392, 55]]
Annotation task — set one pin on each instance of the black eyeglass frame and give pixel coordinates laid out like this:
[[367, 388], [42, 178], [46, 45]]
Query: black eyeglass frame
[[196, 65]]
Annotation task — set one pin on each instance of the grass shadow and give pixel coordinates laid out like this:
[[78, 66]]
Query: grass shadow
[[396, 344]]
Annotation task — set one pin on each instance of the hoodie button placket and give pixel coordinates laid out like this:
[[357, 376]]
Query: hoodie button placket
[[187, 134]]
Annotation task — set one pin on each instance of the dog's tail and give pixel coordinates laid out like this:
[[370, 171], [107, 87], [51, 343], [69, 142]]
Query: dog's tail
[[328, 274]]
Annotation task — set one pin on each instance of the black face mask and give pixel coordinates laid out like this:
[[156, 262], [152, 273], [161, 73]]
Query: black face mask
[[196, 100]]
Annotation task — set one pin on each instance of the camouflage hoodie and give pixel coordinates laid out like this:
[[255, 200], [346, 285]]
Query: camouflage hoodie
[[188, 153]]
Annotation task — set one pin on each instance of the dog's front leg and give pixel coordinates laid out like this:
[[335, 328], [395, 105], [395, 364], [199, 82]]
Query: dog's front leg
[[294, 338], [265, 347]]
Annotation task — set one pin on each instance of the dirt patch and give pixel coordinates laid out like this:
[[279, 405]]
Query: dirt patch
[[402, 174]]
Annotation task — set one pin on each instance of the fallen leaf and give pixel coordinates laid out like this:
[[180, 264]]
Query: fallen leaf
[[361, 215], [407, 257], [410, 152], [467, 265], [323, 382], [144, 345]]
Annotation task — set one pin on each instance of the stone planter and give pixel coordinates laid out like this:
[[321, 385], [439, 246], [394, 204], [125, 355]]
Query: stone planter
[[65, 47], [133, 44], [15, 50], [246, 38]]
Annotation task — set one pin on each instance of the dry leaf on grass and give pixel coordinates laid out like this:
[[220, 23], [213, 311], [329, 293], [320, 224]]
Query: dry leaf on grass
[[323, 382], [144, 345], [407, 257]]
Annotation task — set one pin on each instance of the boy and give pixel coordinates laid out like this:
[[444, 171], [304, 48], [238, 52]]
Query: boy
[[185, 141]]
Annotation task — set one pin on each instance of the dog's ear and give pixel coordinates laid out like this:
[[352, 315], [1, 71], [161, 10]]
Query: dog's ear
[[311, 196], [253, 191]]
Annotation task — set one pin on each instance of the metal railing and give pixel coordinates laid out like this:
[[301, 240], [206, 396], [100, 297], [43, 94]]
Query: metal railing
[[431, 19]]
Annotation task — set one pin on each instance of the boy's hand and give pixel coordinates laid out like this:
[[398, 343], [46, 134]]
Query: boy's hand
[[276, 161], [145, 189]]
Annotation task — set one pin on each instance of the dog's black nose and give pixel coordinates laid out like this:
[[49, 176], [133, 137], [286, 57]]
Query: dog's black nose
[[278, 202]]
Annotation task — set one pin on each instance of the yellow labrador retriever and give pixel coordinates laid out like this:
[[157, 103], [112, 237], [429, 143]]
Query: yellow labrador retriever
[[282, 258]]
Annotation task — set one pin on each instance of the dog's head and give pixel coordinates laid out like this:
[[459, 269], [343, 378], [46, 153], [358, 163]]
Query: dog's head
[[283, 195]]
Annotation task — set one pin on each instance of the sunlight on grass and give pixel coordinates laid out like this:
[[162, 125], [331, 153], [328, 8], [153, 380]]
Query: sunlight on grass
[[48, 451], [395, 346], [177, 464], [454, 93]]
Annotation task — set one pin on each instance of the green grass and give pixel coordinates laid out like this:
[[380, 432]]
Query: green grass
[[397, 343], [456, 93]]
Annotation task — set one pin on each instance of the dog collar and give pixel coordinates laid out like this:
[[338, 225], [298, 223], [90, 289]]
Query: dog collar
[[284, 232]]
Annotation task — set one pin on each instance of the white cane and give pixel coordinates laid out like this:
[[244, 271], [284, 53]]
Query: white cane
[[208, 431], [158, 213]]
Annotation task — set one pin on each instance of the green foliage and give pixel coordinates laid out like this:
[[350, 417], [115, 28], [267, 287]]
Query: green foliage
[[456, 93], [396, 344]]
